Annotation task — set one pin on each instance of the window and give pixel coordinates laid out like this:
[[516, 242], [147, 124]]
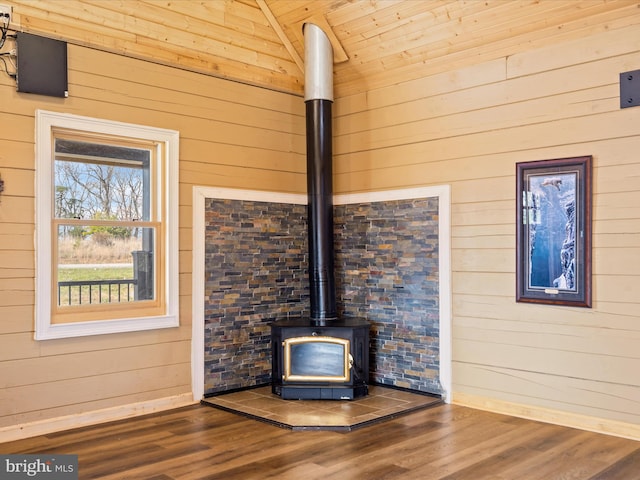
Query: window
[[106, 222]]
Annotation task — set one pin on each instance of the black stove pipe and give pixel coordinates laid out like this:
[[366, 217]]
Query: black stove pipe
[[320, 211], [318, 101]]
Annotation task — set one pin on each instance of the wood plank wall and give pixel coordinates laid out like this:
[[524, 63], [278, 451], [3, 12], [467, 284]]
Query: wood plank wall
[[468, 128], [228, 39], [231, 135]]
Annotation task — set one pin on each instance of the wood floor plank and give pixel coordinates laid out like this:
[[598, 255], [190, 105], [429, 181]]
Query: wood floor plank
[[626, 467], [445, 442]]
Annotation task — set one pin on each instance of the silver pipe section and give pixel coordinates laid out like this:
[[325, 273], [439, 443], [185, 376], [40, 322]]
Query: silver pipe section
[[318, 64]]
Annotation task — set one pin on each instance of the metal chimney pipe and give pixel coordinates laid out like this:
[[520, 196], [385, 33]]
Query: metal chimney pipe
[[318, 96], [318, 64]]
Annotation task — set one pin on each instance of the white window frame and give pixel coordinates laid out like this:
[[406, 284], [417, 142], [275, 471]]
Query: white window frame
[[46, 122]]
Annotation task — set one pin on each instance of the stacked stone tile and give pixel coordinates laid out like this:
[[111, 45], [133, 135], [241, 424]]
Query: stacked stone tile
[[386, 272]]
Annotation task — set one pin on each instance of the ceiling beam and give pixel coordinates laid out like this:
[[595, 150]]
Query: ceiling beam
[[283, 37]]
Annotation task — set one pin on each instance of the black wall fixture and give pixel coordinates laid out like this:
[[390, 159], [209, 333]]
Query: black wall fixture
[[42, 65], [630, 89]]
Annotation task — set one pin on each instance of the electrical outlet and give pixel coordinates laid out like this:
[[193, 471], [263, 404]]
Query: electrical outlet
[[5, 14]]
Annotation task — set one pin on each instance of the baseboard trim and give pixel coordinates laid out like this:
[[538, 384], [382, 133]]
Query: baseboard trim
[[43, 427], [547, 415]]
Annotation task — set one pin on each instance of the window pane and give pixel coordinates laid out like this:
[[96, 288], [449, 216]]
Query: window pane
[[101, 182], [104, 264]]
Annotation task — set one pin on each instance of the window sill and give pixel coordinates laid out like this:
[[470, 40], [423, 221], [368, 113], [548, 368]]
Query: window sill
[[102, 327]]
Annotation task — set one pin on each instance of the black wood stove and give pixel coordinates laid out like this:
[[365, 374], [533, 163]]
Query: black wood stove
[[323, 356], [320, 362]]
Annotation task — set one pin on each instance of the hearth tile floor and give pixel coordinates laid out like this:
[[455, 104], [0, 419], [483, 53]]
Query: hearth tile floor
[[381, 404]]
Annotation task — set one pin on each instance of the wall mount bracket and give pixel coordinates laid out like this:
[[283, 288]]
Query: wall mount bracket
[[630, 89]]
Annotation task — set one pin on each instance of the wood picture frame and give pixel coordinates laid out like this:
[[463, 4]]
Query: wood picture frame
[[553, 233]]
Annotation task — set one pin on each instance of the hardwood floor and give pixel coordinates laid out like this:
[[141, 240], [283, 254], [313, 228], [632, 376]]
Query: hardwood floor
[[445, 442]]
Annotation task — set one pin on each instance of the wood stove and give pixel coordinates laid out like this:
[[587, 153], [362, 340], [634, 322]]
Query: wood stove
[[320, 362], [323, 356]]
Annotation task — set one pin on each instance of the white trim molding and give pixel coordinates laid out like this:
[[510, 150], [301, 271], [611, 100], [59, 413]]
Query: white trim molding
[[43, 427], [548, 415], [200, 194], [443, 194]]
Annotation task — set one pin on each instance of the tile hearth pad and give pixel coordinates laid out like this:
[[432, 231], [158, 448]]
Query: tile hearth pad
[[382, 403]]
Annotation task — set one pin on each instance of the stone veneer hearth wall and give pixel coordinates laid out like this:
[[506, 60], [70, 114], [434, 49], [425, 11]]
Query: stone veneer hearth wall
[[254, 253], [386, 272]]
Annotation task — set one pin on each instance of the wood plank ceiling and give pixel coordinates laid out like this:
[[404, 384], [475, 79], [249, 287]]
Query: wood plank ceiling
[[377, 43]]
